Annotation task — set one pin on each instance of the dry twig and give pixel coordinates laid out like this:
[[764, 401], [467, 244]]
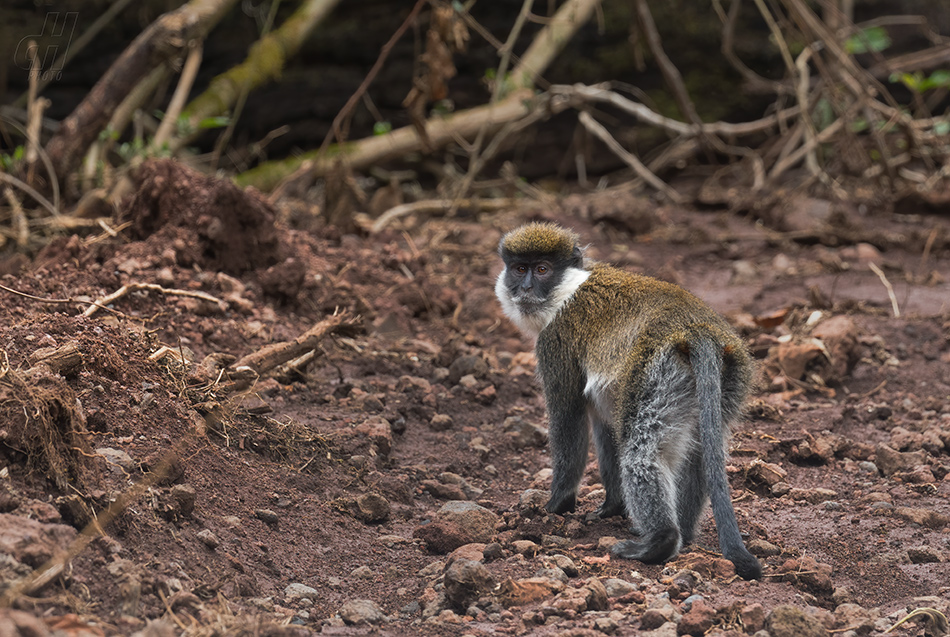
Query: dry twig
[[153, 287]]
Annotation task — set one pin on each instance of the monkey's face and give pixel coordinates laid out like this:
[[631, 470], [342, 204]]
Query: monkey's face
[[529, 284]]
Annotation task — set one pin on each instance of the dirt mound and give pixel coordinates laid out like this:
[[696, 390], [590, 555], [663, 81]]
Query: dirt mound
[[230, 229]]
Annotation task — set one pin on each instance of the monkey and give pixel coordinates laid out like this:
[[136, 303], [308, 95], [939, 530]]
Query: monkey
[[652, 370]]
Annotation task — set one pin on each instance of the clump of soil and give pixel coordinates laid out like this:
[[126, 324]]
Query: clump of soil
[[230, 230]]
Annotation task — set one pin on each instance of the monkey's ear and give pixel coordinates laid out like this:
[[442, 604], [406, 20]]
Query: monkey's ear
[[577, 257]]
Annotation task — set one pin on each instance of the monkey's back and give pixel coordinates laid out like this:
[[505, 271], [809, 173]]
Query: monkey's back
[[620, 322]]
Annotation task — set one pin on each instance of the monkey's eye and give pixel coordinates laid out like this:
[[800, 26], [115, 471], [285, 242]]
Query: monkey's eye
[[542, 269], [521, 269]]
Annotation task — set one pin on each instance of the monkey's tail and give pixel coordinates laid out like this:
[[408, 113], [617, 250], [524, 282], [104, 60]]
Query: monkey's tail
[[707, 361]]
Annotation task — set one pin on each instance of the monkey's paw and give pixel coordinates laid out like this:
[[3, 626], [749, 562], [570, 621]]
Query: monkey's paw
[[609, 509], [561, 503], [653, 549]]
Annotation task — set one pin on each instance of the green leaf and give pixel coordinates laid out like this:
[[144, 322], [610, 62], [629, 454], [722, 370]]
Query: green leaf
[[872, 39], [219, 121], [381, 128], [942, 128]]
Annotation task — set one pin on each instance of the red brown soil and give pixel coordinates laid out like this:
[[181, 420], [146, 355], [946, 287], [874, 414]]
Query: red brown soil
[[425, 298]]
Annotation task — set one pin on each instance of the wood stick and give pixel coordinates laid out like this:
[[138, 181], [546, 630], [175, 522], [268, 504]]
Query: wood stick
[[275, 354], [631, 160], [154, 287]]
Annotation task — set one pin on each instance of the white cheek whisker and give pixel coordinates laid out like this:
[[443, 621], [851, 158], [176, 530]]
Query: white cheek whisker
[[532, 324]]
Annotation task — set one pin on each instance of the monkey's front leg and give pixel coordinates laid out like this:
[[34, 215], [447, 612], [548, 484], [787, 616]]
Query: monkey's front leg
[[569, 440]]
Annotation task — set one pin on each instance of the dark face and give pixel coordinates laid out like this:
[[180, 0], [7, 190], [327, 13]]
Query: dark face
[[530, 281]]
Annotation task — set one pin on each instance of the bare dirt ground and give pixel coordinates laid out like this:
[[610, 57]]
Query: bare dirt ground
[[388, 483]]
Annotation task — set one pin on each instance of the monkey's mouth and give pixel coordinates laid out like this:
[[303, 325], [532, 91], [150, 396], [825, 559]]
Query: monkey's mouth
[[529, 304]]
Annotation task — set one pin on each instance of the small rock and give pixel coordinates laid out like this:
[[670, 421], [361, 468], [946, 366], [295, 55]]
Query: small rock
[[469, 365], [565, 563], [208, 538], [17, 623], [791, 621], [525, 547], [184, 496], [442, 536], [32, 542], [372, 507], [766, 473], [362, 572], [468, 382], [527, 591], [441, 422], [474, 552], [379, 431], [854, 617], [471, 517], [465, 581], [493, 551], [297, 591], [553, 572], [361, 611], [443, 491], [267, 516], [761, 548], [523, 433], [533, 500], [890, 461], [752, 617], [781, 488], [923, 517], [924, 555], [813, 496], [618, 587], [653, 618], [119, 461], [809, 574], [487, 395], [698, 620]]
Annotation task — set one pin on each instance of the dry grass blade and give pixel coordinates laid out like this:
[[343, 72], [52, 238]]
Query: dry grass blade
[[939, 627]]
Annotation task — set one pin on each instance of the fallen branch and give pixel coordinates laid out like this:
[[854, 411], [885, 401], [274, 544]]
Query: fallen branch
[[264, 62], [439, 132], [274, 354], [165, 39], [631, 160], [437, 205], [152, 287]]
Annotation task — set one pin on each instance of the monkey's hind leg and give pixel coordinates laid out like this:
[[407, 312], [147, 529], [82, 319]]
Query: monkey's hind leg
[[649, 490], [691, 494], [609, 468], [656, 446]]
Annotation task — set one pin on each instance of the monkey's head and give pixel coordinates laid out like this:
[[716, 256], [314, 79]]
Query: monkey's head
[[544, 265]]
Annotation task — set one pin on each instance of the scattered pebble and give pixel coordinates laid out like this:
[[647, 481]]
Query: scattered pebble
[[208, 538], [267, 516], [924, 555], [362, 611], [362, 572], [372, 507], [791, 621], [472, 518], [465, 581], [441, 422], [297, 591]]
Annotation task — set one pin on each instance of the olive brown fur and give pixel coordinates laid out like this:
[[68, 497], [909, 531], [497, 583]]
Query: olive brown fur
[[657, 373]]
